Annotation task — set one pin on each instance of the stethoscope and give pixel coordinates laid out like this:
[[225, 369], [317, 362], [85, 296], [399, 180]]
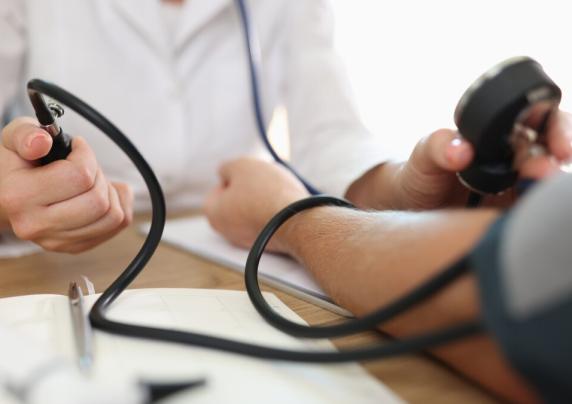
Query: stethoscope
[[491, 115]]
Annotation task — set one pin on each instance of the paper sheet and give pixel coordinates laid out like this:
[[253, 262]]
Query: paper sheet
[[12, 247], [231, 378], [195, 235]]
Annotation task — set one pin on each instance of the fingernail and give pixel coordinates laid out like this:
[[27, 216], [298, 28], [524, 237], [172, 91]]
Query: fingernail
[[457, 151], [456, 142], [35, 141], [32, 139]]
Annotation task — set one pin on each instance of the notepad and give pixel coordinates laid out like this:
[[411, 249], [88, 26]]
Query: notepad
[[230, 377], [196, 236]]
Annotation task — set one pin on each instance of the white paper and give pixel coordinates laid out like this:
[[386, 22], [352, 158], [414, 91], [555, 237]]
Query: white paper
[[230, 377], [196, 236], [31, 329], [12, 247]]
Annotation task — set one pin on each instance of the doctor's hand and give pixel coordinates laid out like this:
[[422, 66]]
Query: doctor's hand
[[66, 206], [251, 192], [428, 179]]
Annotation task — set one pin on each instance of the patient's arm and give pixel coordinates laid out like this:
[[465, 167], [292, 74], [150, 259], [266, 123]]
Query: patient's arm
[[366, 259]]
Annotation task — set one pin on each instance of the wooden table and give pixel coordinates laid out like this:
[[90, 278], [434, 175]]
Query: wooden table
[[416, 378]]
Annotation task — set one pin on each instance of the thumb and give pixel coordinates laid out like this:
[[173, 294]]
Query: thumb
[[25, 138], [442, 151]]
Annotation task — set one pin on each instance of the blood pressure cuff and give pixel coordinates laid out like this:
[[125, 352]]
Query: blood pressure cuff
[[524, 271]]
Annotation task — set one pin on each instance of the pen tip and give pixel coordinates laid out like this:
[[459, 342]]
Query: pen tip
[[159, 391], [73, 290]]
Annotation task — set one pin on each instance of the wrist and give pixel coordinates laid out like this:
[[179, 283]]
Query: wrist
[[281, 240], [377, 188], [294, 232]]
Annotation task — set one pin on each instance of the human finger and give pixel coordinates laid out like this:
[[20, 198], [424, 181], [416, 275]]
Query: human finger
[[539, 167], [24, 137], [443, 150], [559, 135], [83, 209], [114, 219], [57, 181], [126, 199]]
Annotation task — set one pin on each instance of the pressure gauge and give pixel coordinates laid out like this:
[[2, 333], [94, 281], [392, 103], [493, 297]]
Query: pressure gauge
[[510, 103]]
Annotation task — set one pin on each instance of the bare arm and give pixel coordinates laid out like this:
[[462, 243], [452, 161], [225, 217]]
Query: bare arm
[[366, 260]]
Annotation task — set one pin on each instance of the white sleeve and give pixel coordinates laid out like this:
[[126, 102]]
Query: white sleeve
[[330, 146], [12, 49]]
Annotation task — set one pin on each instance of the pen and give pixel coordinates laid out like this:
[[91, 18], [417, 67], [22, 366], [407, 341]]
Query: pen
[[83, 337], [81, 328]]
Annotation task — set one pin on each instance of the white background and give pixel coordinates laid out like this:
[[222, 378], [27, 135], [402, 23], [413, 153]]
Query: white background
[[410, 61]]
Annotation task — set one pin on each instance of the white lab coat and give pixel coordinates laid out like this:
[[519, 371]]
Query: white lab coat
[[187, 107]]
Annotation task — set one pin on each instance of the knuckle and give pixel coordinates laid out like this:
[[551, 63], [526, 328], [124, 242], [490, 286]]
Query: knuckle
[[15, 124], [117, 216], [52, 246], [25, 230], [127, 219], [100, 203], [125, 193], [130, 194], [101, 206], [126, 222], [10, 201], [83, 177]]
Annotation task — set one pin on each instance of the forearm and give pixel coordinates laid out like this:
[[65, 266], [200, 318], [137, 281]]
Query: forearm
[[366, 260]]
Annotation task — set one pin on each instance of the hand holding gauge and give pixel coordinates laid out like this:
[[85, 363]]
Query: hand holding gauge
[[505, 115]]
